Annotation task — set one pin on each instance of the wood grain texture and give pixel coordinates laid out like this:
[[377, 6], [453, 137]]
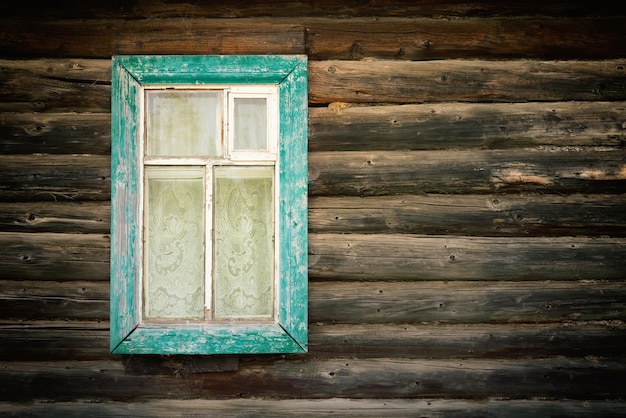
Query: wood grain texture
[[79, 85], [466, 302], [548, 170], [55, 133], [394, 407], [55, 178], [345, 127], [60, 217], [529, 215], [357, 173], [355, 38], [120, 9], [430, 39], [494, 341], [51, 256], [466, 221], [341, 377], [107, 37], [376, 302], [89, 340], [417, 257], [388, 81]]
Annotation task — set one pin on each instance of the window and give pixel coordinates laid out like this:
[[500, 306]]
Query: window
[[209, 205]]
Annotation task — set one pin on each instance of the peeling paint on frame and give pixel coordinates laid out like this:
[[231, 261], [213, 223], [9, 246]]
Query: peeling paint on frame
[[290, 333]]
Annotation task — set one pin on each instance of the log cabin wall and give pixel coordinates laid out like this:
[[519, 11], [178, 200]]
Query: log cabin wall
[[467, 231]]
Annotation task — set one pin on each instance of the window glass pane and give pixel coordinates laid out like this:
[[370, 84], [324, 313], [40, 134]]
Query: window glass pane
[[250, 124], [174, 243], [244, 236], [183, 123]]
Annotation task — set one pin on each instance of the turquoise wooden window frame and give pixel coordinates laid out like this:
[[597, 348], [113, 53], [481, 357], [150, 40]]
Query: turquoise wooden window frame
[[289, 333]]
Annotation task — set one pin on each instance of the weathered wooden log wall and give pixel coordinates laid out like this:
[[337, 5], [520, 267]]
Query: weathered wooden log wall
[[467, 227]]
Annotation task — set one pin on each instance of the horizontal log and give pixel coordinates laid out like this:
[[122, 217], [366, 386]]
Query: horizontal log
[[89, 340], [42, 85], [107, 37], [552, 378], [460, 302], [56, 256], [60, 217], [342, 127], [427, 39], [50, 256], [76, 9], [425, 408], [416, 257], [55, 133], [50, 340], [356, 173], [466, 81], [55, 177], [468, 341], [466, 302], [469, 215], [61, 301], [83, 85], [549, 170], [462, 215], [326, 38], [355, 128]]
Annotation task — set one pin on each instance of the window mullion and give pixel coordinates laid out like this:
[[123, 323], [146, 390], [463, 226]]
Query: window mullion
[[208, 244]]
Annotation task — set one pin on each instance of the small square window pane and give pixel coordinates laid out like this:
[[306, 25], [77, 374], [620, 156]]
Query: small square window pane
[[250, 122], [244, 243], [174, 243], [183, 123]]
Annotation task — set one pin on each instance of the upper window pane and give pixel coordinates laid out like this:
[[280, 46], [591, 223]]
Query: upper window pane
[[183, 123], [250, 124]]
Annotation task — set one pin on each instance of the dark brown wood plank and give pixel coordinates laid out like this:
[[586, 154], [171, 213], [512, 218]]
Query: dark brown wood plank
[[68, 85], [427, 39], [55, 177], [355, 38], [89, 340], [55, 133], [603, 339], [470, 215], [314, 408], [466, 302], [49, 256], [418, 257], [554, 378], [460, 215], [62, 217], [30, 300], [547, 170], [562, 171], [465, 80], [383, 302], [55, 340], [103, 38], [344, 127], [77, 9]]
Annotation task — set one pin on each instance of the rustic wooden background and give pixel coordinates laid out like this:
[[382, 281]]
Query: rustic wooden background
[[467, 208]]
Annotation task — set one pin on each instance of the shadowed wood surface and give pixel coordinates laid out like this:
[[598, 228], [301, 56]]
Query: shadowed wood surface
[[467, 179]]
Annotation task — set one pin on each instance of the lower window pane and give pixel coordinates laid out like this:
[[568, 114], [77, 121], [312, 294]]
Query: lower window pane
[[174, 243], [244, 243]]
